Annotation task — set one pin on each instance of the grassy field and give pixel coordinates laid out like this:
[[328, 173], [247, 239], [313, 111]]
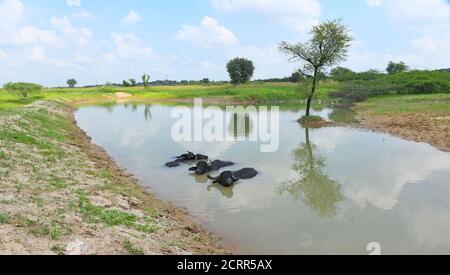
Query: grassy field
[[264, 92], [407, 104]]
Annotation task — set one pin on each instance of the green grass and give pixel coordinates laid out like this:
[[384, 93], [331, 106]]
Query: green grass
[[97, 214], [111, 217], [255, 92], [408, 103], [132, 249], [4, 218]]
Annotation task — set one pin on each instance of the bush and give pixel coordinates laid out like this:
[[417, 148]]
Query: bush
[[343, 75], [22, 89], [420, 82], [414, 82], [358, 91]]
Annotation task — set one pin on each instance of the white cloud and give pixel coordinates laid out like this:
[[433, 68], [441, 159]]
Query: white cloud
[[80, 35], [374, 3], [426, 23], [297, 14], [3, 55], [132, 18], [209, 34], [128, 46], [38, 54], [432, 44], [419, 13], [73, 3], [29, 35], [10, 13]]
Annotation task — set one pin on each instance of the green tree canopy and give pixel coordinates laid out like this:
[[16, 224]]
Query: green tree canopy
[[145, 80], [328, 46], [394, 68], [341, 73], [296, 77], [240, 70], [71, 82]]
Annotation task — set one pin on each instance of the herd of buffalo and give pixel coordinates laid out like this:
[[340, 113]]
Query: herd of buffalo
[[204, 166]]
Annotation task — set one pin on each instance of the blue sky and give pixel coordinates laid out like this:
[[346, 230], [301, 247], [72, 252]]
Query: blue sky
[[99, 41]]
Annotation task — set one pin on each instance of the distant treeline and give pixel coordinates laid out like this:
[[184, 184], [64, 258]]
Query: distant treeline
[[338, 74]]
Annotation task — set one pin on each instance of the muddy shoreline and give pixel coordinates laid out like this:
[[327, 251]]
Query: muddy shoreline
[[433, 129]]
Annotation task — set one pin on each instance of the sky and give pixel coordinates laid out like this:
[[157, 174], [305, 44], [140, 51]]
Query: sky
[[99, 41]]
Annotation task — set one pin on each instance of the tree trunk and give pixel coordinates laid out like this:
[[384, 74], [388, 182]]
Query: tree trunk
[[311, 96]]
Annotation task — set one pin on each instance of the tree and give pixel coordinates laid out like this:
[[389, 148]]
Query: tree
[[205, 81], [394, 68], [145, 80], [133, 82], [72, 82], [296, 77], [126, 83], [240, 70], [328, 46], [341, 73], [22, 89]]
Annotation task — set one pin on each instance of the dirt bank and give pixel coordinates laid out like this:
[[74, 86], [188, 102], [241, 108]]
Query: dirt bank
[[60, 194], [428, 127]]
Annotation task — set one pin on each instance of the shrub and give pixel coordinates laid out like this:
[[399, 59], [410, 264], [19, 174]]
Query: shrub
[[343, 75], [421, 82], [358, 91], [413, 82], [22, 89]]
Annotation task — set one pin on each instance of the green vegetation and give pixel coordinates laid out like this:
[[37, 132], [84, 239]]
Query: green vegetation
[[4, 218], [72, 82], [358, 87], [145, 80], [408, 104], [328, 46], [240, 70], [252, 92], [132, 249], [394, 68], [22, 89]]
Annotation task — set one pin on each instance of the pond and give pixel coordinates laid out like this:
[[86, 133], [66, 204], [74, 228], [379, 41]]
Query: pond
[[324, 191]]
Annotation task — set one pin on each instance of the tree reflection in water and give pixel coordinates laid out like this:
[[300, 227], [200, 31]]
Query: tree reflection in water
[[316, 189], [148, 112]]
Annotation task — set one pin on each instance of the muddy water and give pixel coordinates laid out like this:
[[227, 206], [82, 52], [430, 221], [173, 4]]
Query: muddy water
[[325, 191]]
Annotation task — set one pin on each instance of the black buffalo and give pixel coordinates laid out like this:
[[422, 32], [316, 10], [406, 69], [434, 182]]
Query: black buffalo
[[204, 167], [229, 178], [186, 158]]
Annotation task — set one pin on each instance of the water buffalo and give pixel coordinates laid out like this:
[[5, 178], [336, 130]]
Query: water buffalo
[[186, 158], [229, 178], [204, 167], [191, 157]]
